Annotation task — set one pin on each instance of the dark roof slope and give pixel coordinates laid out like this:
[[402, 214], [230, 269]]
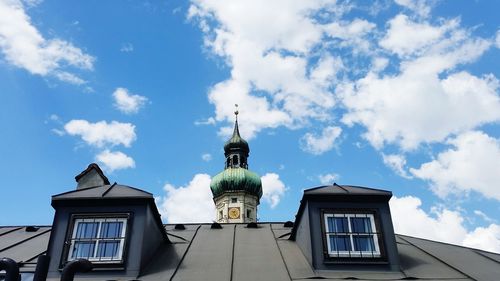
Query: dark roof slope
[[236, 252], [336, 189], [114, 191]]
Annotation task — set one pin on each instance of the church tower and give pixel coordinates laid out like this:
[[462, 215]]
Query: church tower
[[236, 190]]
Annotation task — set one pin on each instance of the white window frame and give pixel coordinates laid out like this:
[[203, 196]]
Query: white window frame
[[352, 253], [98, 239]]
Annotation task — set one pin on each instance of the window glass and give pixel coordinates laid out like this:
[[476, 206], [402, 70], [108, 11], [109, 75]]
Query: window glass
[[361, 225], [351, 235], [108, 249], [87, 230], [363, 243], [340, 243], [83, 249], [111, 229], [98, 239], [338, 224]]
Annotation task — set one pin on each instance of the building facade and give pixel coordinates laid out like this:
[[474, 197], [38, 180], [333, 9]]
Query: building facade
[[103, 231]]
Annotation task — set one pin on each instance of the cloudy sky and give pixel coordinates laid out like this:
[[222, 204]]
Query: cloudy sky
[[401, 95]]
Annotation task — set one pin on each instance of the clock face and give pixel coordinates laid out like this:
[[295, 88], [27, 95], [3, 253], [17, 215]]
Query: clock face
[[234, 213]]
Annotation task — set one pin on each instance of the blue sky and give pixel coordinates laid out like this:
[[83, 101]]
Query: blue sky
[[400, 95]]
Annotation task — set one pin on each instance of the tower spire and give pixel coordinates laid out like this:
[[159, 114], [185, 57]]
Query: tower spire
[[236, 131]]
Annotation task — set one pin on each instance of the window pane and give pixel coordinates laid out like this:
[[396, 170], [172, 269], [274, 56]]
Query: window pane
[[339, 243], [111, 229], [87, 230], [364, 243], [336, 224], [361, 225], [108, 249], [83, 250]]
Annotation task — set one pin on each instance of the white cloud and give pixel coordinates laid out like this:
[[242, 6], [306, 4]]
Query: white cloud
[[127, 47], [58, 132], [127, 102], [483, 216], [328, 179], [268, 56], [403, 109], [470, 165], [486, 238], [190, 203], [420, 7], [320, 144], [497, 39], [401, 106], [102, 133], [24, 46], [207, 157], [353, 34], [405, 37], [68, 77], [115, 160], [284, 70], [273, 189], [441, 225], [397, 163], [32, 3], [207, 121]]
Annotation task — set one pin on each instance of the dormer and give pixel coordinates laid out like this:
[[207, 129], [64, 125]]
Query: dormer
[[116, 227], [342, 227]]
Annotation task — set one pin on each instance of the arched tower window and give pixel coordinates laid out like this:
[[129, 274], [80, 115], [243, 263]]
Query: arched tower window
[[235, 160]]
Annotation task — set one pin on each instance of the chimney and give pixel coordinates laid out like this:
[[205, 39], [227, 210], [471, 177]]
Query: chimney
[[91, 177]]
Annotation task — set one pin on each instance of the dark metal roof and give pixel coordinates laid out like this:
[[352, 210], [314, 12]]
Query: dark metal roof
[[336, 189], [114, 191], [236, 252]]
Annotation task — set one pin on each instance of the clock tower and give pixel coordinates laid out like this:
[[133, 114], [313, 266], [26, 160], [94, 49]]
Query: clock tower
[[236, 190]]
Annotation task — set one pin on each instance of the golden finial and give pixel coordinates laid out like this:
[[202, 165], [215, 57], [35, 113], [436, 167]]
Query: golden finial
[[236, 111]]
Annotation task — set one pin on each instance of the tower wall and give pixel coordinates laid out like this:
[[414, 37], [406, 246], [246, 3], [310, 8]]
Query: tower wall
[[236, 207]]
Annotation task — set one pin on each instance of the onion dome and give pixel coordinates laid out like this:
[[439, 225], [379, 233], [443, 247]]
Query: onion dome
[[234, 180], [236, 142]]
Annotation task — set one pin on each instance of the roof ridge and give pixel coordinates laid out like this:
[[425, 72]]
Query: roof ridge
[[78, 190], [439, 259], [368, 188], [449, 244], [107, 190], [335, 184], [135, 188]]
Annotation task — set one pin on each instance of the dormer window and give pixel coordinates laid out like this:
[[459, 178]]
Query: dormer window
[[98, 239], [351, 235]]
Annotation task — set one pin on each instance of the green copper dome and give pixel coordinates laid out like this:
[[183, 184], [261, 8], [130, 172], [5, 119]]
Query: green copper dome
[[236, 179]]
